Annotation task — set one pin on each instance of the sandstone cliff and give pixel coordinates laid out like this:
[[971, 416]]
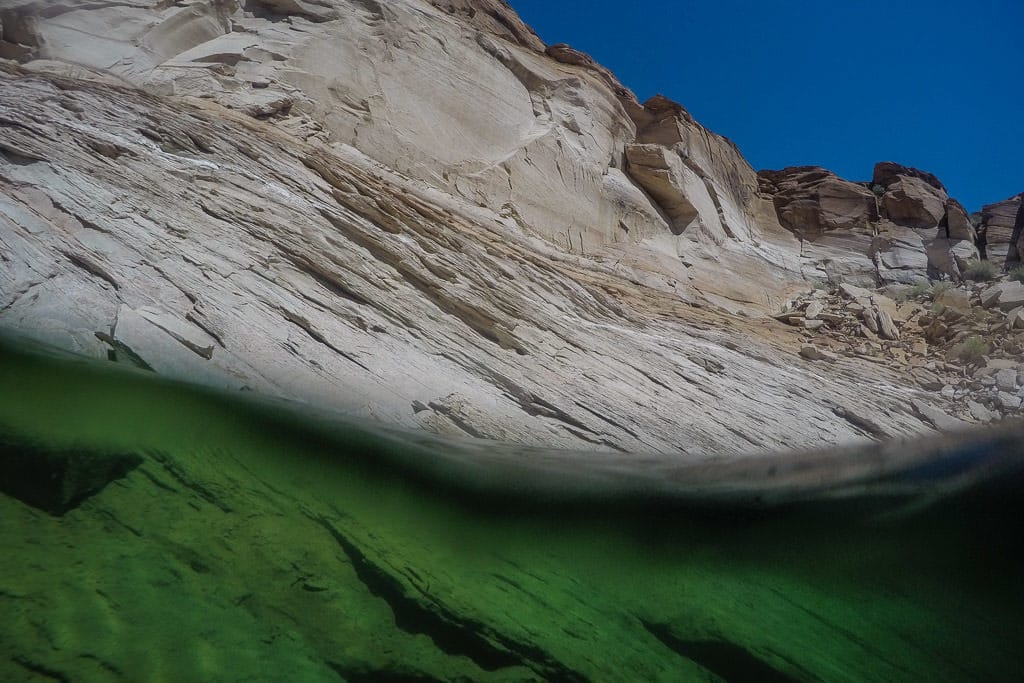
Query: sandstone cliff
[[900, 227], [416, 212]]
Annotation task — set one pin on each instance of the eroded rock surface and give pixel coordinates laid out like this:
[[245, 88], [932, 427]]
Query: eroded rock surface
[[997, 224], [203, 243], [415, 212], [901, 227]]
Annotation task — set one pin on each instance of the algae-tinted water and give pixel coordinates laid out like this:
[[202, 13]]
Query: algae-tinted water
[[155, 531]]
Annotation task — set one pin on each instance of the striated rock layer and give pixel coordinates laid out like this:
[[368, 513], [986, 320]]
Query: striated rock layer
[[997, 224], [414, 212]]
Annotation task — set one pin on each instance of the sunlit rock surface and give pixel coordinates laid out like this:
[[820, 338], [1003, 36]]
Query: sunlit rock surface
[[997, 221], [410, 212], [204, 244], [901, 227]]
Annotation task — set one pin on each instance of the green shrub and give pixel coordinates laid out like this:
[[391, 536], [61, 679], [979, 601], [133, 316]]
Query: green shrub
[[878, 190], [940, 287], [920, 289], [1017, 274], [980, 271], [971, 350]]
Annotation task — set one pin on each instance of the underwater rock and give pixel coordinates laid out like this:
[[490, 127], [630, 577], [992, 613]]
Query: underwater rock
[[55, 480]]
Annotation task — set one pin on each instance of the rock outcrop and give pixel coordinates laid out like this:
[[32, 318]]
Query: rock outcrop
[[416, 212], [997, 226], [901, 227], [203, 243], [812, 201]]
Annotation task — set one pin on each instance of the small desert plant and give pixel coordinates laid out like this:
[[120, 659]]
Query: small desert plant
[[938, 309], [939, 287], [879, 190], [980, 271], [1017, 274], [971, 349], [920, 289]]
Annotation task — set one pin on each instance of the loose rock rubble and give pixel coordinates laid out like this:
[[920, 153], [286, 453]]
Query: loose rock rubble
[[963, 342]]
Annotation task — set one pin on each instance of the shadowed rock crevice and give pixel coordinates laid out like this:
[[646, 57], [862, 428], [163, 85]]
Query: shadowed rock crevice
[[58, 480], [451, 633], [728, 661], [1013, 254], [41, 670], [363, 674]]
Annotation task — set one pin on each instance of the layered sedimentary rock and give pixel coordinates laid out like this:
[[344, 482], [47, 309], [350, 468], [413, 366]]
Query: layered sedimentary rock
[[901, 227], [202, 243], [997, 224], [413, 212]]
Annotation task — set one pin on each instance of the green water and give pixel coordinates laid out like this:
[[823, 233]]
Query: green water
[[248, 543]]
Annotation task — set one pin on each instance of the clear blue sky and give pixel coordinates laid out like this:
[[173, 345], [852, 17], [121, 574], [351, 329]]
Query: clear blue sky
[[937, 84]]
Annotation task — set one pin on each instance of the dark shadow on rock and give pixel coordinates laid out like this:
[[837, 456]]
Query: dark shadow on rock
[[727, 660], [56, 480]]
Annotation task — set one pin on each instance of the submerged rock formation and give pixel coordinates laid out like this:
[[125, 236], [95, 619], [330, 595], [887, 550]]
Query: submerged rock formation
[[251, 543]]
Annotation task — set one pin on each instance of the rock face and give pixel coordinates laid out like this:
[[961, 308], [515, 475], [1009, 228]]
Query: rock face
[[911, 198], [204, 243], [58, 480], [902, 229], [1015, 243], [997, 221], [811, 201], [416, 212], [888, 173]]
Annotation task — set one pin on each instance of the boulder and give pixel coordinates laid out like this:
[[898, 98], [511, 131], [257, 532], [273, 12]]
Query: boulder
[[990, 297], [940, 420], [914, 203], [853, 292], [1015, 319], [980, 412], [887, 173], [811, 200], [958, 223], [1007, 401], [870, 318], [957, 299], [1012, 296], [1006, 379], [812, 352], [886, 327], [1007, 296]]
